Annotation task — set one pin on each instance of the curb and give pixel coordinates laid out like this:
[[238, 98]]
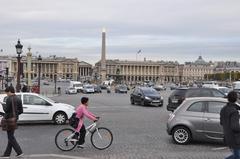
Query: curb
[[53, 156]]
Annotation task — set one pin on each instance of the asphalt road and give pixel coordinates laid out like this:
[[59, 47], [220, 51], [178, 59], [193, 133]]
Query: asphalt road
[[139, 132]]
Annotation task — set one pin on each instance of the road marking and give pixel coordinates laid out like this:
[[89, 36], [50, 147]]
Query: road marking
[[219, 148], [55, 155]]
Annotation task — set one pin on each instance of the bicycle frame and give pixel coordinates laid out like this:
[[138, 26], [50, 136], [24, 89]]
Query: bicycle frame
[[90, 129]]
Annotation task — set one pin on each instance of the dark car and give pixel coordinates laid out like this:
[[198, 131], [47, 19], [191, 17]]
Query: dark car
[[97, 89], [121, 89], [180, 94], [146, 96]]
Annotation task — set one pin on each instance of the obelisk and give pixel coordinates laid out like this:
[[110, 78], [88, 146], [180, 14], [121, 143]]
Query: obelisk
[[103, 56], [29, 63]]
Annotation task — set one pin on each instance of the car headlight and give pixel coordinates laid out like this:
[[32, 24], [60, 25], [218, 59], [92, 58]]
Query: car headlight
[[148, 98], [161, 97]]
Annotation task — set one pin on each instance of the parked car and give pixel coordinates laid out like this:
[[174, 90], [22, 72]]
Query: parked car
[[97, 89], [180, 94], [71, 90], [45, 82], [88, 89], [197, 119], [39, 108], [146, 96], [159, 87], [121, 89]]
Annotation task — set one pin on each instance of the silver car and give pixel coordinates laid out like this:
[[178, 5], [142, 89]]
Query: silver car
[[197, 119]]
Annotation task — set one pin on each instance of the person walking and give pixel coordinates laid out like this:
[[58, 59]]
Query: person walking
[[8, 109], [229, 119], [82, 111]]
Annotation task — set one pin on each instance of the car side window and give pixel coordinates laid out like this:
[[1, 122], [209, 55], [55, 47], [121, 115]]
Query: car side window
[[196, 107], [217, 93], [33, 100], [215, 107]]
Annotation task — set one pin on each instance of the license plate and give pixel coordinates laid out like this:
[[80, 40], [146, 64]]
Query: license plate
[[174, 101], [156, 101]]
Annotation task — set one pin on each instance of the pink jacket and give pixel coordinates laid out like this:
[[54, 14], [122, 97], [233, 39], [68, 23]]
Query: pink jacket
[[81, 112]]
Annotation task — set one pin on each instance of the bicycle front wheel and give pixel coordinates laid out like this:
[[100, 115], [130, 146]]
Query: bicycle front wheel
[[101, 138], [64, 140]]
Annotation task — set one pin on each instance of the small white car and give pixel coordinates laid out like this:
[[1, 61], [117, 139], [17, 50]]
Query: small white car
[[40, 108], [88, 89], [71, 90]]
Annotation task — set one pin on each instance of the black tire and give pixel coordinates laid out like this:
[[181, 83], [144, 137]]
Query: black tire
[[132, 101], [106, 135], [60, 118], [62, 143], [181, 135]]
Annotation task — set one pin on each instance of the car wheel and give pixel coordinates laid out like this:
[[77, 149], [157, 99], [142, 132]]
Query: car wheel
[[60, 118], [132, 101], [181, 135]]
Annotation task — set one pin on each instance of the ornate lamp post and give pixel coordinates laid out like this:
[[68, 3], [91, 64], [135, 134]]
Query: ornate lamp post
[[19, 47], [39, 72]]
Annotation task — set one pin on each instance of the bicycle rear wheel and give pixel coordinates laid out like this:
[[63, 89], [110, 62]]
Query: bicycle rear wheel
[[64, 140], [101, 138]]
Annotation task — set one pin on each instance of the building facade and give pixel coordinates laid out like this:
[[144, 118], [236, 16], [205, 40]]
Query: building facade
[[139, 71], [195, 71], [85, 71], [61, 67]]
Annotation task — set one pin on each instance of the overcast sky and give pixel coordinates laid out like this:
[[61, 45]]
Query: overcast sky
[[175, 30]]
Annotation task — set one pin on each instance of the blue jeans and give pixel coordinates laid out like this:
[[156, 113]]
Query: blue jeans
[[235, 155]]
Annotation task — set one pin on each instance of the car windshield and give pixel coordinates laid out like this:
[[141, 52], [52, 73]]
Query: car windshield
[[71, 88], [123, 87], [89, 87], [150, 91], [77, 85], [224, 90], [48, 99]]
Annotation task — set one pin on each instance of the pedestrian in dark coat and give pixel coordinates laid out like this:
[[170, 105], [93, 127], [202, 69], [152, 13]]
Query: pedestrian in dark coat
[[12, 142], [229, 119]]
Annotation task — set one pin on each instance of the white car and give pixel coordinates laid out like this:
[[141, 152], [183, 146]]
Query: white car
[[88, 89], [40, 108], [71, 90]]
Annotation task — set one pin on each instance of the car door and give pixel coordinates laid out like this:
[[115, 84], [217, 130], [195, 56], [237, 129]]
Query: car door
[[36, 108], [194, 116], [212, 127], [139, 96]]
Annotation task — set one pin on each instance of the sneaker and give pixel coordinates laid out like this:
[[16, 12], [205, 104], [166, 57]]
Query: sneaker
[[80, 146], [74, 138], [3, 156], [20, 155]]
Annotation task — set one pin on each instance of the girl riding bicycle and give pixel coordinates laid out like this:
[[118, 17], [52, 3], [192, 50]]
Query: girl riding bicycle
[[81, 111]]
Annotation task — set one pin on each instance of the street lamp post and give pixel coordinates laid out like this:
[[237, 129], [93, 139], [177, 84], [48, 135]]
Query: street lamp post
[[19, 47], [55, 82], [7, 75], [39, 72]]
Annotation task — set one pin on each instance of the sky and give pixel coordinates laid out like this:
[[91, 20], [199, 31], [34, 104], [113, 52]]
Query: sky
[[169, 30]]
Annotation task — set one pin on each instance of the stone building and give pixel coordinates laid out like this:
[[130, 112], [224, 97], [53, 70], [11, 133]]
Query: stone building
[[65, 68], [139, 71], [195, 71], [85, 71]]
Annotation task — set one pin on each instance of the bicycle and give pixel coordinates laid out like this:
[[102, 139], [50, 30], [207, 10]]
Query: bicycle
[[101, 137]]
